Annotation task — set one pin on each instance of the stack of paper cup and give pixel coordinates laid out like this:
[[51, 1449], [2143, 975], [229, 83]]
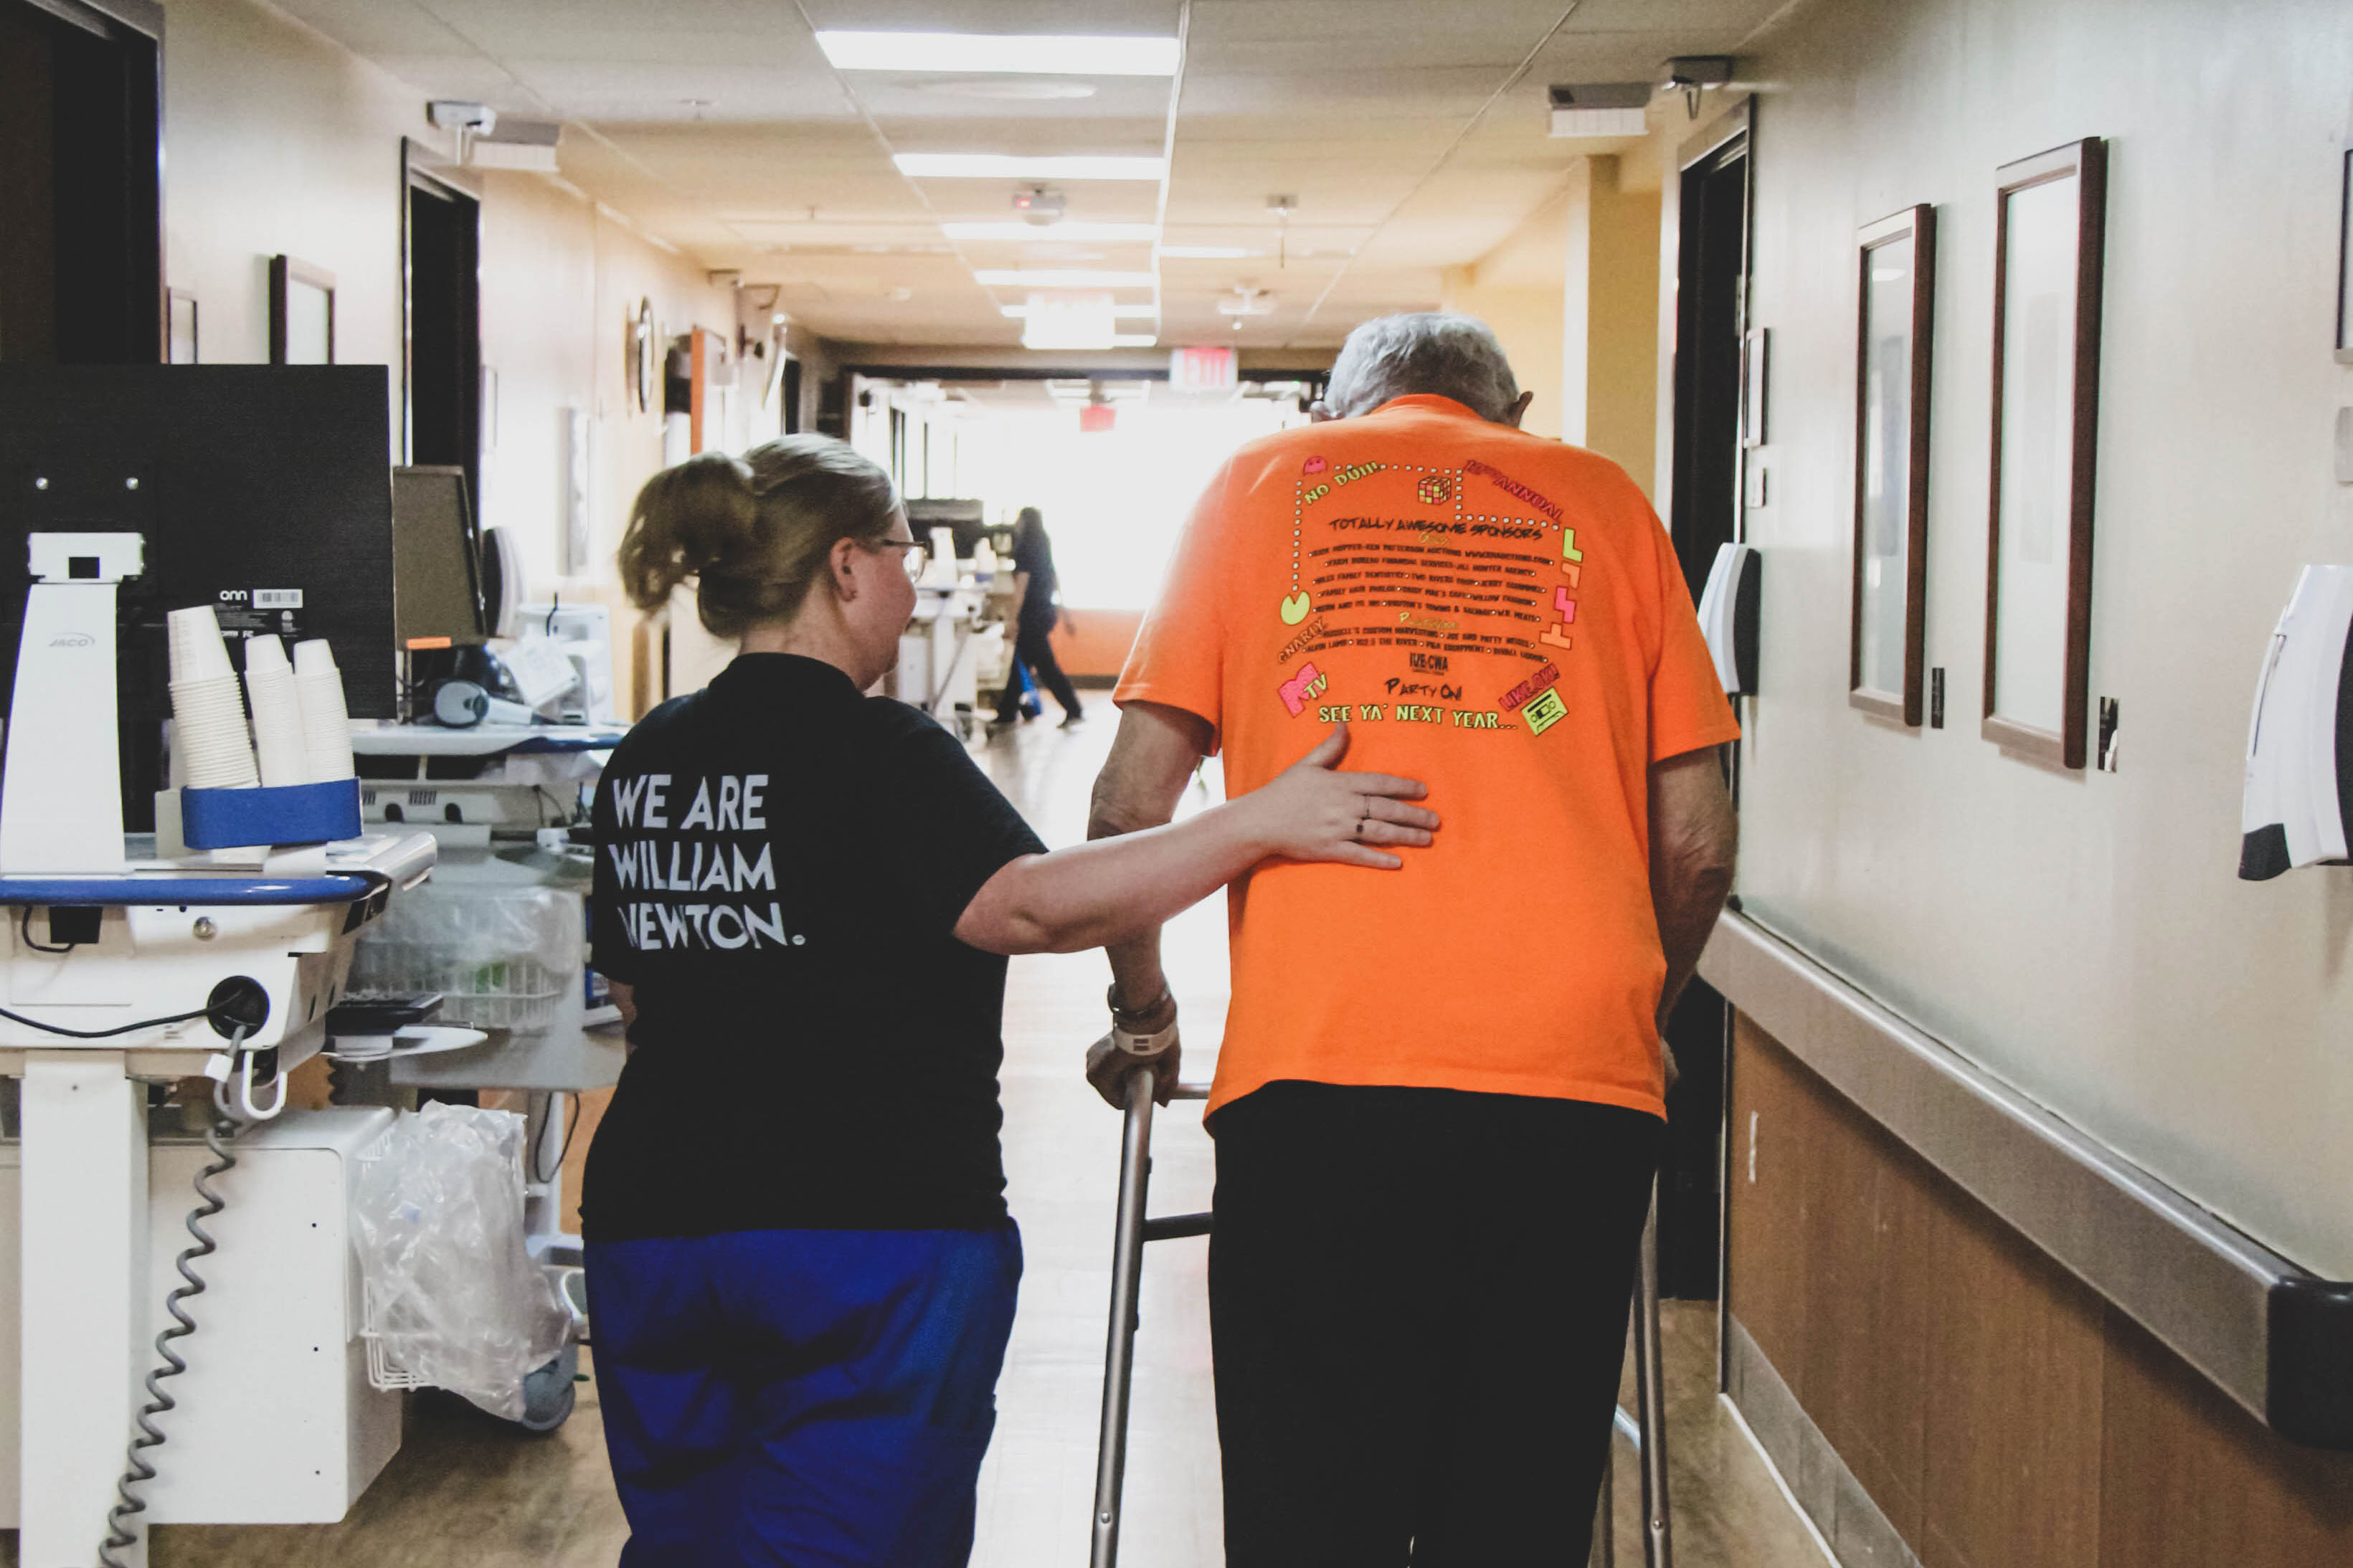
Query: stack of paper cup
[[326, 722], [277, 732], [207, 713]]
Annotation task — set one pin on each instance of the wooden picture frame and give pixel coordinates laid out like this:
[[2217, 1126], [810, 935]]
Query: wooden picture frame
[[302, 322], [183, 345], [1896, 318], [2345, 255], [2049, 244]]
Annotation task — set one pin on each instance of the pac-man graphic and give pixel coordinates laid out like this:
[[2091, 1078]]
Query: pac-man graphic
[[1437, 489], [1314, 465], [1294, 608]]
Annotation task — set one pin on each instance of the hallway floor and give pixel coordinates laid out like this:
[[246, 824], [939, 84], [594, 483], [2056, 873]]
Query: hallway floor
[[465, 1490]]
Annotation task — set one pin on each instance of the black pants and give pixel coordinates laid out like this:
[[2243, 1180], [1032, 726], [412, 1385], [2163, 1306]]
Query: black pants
[[1418, 1303], [1033, 646]]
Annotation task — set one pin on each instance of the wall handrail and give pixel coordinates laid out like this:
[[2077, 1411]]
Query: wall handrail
[[2275, 1338]]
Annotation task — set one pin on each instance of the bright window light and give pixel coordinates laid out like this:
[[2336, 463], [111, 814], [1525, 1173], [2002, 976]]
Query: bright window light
[[997, 54], [1207, 252], [1011, 166], [1122, 312], [1060, 277], [1054, 232]]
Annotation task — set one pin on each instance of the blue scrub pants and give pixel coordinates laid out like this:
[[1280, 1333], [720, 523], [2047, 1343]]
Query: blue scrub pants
[[818, 1398]]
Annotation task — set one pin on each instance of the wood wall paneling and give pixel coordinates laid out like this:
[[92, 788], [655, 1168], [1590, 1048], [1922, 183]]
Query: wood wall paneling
[[1996, 1411]]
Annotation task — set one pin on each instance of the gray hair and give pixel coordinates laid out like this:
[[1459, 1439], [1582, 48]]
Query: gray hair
[[1452, 356]]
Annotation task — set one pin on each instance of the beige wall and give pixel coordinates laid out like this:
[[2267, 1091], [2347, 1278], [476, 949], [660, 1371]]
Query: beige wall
[[277, 139], [1518, 290], [1573, 296], [2081, 935]]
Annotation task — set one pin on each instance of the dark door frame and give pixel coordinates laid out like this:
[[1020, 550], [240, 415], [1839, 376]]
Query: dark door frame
[[143, 19], [1732, 136], [423, 168]]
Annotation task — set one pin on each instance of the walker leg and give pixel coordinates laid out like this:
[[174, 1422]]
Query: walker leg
[[1126, 1274], [1650, 1394]]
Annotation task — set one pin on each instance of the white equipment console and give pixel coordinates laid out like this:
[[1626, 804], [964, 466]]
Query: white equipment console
[[120, 970]]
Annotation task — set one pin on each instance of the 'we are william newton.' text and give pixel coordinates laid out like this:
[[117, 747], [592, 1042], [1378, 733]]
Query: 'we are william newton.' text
[[692, 857]]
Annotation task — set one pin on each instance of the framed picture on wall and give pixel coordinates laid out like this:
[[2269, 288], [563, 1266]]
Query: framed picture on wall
[[302, 312], [180, 327], [2344, 257], [2048, 238], [1895, 268]]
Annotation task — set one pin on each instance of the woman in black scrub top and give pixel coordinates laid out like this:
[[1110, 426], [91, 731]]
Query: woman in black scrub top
[[800, 1264]]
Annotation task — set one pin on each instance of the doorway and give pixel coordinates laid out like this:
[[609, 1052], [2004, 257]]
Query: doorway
[[440, 268], [81, 248], [1711, 309], [1711, 315]]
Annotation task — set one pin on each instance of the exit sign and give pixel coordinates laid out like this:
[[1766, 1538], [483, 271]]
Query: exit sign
[[1204, 370]]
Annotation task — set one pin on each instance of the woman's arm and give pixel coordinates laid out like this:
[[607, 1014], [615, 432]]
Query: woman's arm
[[1094, 893]]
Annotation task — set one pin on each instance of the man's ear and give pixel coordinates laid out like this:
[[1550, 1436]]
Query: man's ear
[[1518, 411], [845, 581]]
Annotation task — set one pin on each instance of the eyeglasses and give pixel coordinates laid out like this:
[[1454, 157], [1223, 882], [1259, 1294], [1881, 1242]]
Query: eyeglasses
[[918, 554]]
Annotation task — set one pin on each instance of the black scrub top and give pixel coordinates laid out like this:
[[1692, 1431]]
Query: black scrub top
[[780, 865], [1034, 553]]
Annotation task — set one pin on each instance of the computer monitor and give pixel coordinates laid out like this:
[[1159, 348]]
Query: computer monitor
[[262, 490], [969, 519], [436, 572]]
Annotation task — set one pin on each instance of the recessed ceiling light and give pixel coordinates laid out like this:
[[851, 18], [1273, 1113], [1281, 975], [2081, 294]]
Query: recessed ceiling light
[[1207, 252], [1031, 233], [1027, 54], [1060, 277], [1124, 313], [1009, 166]]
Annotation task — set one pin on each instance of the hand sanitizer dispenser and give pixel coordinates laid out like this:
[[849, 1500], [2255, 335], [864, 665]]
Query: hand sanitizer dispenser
[[2300, 742], [1728, 616]]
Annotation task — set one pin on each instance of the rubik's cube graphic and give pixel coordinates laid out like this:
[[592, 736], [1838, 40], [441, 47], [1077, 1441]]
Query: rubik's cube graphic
[[1438, 490]]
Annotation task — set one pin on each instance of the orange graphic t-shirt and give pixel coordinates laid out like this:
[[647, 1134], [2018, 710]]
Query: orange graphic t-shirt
[[1501, 617]]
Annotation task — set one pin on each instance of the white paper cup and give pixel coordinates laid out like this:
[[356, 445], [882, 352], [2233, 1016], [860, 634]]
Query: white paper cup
[[314, 657], [197, 651], [266, 653], [209, 733], [326, 721], [279, 740]]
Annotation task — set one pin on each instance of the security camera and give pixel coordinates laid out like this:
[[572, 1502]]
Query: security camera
[[456, 115]]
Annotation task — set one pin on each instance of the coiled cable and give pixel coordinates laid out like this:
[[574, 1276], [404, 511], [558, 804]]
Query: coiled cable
[[139, 1472]]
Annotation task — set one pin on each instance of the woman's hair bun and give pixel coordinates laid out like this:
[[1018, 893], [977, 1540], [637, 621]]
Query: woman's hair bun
[[751, 534]]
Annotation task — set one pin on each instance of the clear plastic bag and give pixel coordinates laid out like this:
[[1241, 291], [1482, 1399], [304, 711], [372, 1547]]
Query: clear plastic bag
[[452, 1298], [501, 957]]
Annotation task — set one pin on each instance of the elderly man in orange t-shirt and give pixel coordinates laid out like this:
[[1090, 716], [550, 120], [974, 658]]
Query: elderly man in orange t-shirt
[[1440, 1104]]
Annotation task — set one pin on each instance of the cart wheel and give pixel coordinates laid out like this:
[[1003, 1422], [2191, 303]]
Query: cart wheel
[[548, 1393], [965, 726]]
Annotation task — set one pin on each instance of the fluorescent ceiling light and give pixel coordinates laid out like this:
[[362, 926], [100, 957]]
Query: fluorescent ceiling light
[[1207, 252], [1037, 54], [1011, 166], [1124, 313], [1134, 340], [1042, 232], [1060, 277], [1068, 320]]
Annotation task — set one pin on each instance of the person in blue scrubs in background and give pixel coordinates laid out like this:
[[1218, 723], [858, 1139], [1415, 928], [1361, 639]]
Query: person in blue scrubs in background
[[800, 1266]]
